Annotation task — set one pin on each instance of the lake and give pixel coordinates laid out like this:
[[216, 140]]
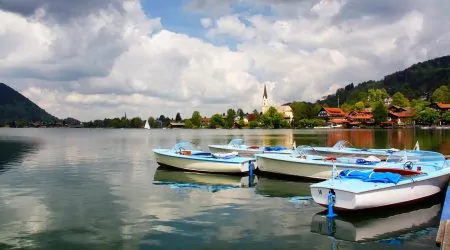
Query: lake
[[102, 189]]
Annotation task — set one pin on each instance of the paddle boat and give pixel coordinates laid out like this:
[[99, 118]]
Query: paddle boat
[[184, 155], [305, 163], [343, 147], [407, 176], [237, 145]]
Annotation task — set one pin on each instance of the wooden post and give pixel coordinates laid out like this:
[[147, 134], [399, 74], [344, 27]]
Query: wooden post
[[443, 234]]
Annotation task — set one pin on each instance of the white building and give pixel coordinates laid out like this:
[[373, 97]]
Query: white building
[[284, 109]]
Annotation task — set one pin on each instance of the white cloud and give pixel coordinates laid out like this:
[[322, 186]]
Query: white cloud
[[112, 58], [206, 22]]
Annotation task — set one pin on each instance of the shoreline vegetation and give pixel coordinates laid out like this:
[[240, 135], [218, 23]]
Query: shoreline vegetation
[[418, 95]]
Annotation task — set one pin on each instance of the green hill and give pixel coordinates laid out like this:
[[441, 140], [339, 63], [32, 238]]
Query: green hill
[[419, 80], [16, 107]]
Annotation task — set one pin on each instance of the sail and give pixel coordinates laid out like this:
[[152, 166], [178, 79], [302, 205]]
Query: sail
[[147, 126]]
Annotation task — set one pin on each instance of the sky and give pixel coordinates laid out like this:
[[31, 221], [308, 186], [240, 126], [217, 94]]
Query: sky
[[91, 59]]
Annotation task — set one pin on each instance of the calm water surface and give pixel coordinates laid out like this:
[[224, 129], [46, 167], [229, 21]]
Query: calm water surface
[[102, 189]]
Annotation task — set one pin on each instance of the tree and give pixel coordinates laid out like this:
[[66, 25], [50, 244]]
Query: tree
[[136, 122], [379, 112], [360, 106], [441, 94], [178, 117], [446, 117], [256, 114], [346, 107], [216, 121], [272, 118], [231, 114], [427, 116], [300, 110], [398, 99], [377, 95], [152, 122], [253, 124], [314, 110], [419, 104], [188, 123], [196, 119], [240, 113]]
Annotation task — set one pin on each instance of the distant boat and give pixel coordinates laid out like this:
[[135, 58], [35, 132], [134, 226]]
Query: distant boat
[[147, 125]]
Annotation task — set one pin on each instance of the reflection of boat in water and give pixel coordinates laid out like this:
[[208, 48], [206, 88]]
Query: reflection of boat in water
[[185, 179], [361, 227], [282, 188]]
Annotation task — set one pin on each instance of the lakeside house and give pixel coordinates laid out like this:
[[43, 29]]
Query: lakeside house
[[397, 116]]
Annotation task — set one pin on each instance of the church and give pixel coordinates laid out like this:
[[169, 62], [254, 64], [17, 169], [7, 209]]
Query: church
[[284, 109]]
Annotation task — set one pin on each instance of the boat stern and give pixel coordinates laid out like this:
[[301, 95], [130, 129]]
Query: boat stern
[[248, 166], [343, 200]]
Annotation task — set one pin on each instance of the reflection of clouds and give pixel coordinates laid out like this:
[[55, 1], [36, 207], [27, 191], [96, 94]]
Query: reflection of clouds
[[93, 189], [24, 214]]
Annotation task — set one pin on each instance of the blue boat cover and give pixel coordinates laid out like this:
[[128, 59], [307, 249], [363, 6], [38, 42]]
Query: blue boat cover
[[365, 162], [274, 148], [202, 154], [370, 176]]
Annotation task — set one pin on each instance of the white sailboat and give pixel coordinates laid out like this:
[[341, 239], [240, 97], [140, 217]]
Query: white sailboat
[[147, 125]]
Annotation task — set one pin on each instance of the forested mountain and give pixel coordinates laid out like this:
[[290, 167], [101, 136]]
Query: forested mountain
[[16, 107], [419, 80]]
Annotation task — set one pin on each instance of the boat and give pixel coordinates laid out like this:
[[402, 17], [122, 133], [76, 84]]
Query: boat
[[184, 155], [305, 163], [147, 125], [417, 176], [211, 182], [380, 225], [343, 147], [237, 145]]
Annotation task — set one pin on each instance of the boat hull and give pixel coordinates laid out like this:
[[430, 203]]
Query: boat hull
[[389, 196], [201, 165], [296, 167]]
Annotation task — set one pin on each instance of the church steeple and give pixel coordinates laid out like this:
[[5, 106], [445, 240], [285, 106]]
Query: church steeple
[[264, 100]]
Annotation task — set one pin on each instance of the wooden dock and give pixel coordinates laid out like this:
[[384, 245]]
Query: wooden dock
[[443, 234]]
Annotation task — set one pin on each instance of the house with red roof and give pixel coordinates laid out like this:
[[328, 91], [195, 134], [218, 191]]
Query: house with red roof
[[400, 116], [328, 114], [441, 107]]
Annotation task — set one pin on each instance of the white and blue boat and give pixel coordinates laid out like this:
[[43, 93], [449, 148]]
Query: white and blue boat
[[408, 176], [184, 155], [238, 145], [344, 147], [304, 163]]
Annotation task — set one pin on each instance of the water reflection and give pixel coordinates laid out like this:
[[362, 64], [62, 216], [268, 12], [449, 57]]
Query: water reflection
[[14, 151], [384, 226], [212, 182], [282, 188]]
